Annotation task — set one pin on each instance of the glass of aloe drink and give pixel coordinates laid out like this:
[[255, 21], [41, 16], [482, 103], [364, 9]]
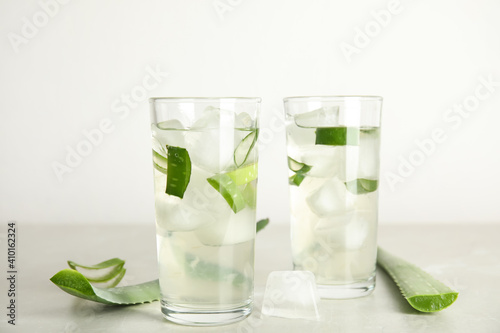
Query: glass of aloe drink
[[333, 145], [205, 184]]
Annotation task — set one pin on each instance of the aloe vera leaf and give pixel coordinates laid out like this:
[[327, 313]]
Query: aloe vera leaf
[[244, 175], [101, 265], [101, 272], [179, 171], [421, 290], [74, 283], [362, 186], [229, 191], [300, 170], [337, 136]]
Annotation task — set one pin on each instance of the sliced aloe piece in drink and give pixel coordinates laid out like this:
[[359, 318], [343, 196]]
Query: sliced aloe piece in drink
[[337, 136], [362, 186], [160, 162], [245, 174], [74, 283], [179, 171], [421, 290], [250, 195], [296, 179], [294, 165], [245, 147], [300, 170], [226, 186], [108, 273]]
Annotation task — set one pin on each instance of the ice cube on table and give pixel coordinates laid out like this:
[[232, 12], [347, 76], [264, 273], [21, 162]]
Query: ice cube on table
[[291, 294], [332, 198], [369, 154], [210, 140], [324, 117], [170, 132]]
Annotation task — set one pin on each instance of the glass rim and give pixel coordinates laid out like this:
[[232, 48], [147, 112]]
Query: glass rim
[[207, 99], [332, 98]]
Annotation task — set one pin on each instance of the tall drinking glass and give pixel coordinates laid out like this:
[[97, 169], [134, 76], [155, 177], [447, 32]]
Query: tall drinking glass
[[205, 184], [333, 147]]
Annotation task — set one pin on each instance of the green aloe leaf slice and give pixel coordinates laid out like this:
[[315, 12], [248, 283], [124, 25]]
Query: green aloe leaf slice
[[229, 191], [250, 195], [245, 174], [421, 290], [109, 272], [337, 136], [179, 171], [300, 170], [362, 186], [160, 162], [74, 283], [244, 148]]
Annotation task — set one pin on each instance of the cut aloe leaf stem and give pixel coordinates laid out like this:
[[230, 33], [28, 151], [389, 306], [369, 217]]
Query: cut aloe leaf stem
[[107, 273], [228, 185], [74, 283], [421, 290]]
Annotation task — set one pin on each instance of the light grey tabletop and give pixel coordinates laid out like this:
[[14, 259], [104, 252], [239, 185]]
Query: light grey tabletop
[[466, 257]]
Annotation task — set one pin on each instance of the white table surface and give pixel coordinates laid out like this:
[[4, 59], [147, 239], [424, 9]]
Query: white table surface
[[466, 257]]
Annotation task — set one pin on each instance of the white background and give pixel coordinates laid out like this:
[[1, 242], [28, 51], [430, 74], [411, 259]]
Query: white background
[[65, 76]]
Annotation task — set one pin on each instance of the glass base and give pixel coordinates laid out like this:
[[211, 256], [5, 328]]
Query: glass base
[[345, 291], [195, 317]]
